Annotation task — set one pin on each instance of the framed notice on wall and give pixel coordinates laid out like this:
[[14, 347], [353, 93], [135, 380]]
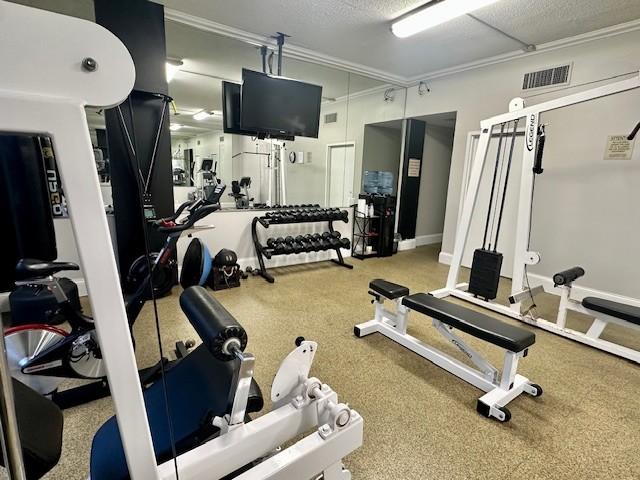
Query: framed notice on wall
[[618, 148], [414, 167]]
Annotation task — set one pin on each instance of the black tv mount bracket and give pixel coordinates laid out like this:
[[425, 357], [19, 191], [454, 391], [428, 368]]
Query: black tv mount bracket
[[279, 38]]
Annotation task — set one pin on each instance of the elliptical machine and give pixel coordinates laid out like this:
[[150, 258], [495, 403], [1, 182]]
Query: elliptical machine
[[41, 356]]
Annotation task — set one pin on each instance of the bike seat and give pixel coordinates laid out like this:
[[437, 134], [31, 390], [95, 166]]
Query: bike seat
[[29, 268]]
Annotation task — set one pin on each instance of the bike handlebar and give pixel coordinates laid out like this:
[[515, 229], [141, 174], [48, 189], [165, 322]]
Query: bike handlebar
[[198, 211]]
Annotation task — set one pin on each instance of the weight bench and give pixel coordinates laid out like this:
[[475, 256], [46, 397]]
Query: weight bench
[[602, 310], [500, 388]]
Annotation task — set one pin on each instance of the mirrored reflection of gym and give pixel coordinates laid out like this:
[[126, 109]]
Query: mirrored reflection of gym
[[319, 240]]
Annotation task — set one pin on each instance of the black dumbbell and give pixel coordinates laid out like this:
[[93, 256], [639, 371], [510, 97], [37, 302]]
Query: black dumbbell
[[271, 242], [345, 243], [313, 245], [304, 241], [332, 239]]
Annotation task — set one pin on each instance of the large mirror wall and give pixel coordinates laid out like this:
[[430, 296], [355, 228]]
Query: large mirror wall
[[360, 129]]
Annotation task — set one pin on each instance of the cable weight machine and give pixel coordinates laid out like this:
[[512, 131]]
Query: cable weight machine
[[487, 261]]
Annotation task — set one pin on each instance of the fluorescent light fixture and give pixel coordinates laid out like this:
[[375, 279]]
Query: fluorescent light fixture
[[173, 67], [174, 127], [435, 13], [203, 115]]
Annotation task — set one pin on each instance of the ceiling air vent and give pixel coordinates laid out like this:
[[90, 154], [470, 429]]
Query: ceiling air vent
[[331, 118], [548, 77]]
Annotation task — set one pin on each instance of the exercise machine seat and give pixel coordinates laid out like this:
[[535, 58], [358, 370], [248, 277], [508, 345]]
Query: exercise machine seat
[[469, 321], [388, 289], [40, 425], [198, 390], [619, 310], [28, 268]]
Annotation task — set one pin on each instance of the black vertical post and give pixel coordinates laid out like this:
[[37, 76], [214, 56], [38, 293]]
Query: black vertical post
[[411, 173], [139, 24]]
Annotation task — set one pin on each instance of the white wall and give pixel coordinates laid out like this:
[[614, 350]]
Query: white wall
[[434, 181], [381, 151], [586, 208], [233, 231]]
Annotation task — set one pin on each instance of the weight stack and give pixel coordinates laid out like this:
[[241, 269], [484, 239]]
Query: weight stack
[[485, 273]]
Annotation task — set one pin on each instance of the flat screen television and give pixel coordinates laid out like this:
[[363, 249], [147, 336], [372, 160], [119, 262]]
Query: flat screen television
[[279, 106], [231, 114]]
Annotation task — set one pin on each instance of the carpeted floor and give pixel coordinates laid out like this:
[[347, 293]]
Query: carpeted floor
[[420, 421]]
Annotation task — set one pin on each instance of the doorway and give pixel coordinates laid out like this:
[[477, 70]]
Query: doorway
[[340, 174]]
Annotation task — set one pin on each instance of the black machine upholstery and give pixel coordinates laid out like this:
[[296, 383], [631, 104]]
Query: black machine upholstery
[[469, 321], [214, 324], [387, 289], [29, 268], [622, 311], [198, 389], [566, 277], [40, 425]]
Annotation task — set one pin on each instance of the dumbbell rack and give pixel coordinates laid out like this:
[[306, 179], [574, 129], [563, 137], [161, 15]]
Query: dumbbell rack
[[263, 251]]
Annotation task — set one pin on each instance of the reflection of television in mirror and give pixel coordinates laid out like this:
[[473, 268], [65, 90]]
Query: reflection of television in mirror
[[278, 105], [231, 114]]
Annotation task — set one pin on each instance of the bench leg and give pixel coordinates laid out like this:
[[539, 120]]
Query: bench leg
[[396, 320], [596, 328], [336, 472], [493, 403]]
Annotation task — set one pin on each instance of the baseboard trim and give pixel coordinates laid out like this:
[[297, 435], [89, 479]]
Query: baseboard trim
[[408, 244], [445, 258], [578, 292], [428, 239]]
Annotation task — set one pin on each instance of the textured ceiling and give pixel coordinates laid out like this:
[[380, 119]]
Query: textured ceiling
[[358, 30], [212, 55]]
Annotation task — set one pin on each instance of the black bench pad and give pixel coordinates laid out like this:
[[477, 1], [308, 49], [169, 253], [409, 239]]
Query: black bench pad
[[615, 309], [388, 289], [469, 321]]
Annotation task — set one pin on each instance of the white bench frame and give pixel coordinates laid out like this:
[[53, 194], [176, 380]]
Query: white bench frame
[[500, 388], [592, 336]]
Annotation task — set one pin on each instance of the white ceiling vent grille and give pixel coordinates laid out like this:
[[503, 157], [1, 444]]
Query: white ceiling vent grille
[[331, 118], [560, 75]]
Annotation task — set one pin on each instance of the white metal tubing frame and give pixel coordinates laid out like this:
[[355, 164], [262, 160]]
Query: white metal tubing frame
[[522, 256], [501, 389], [53, 105], [317, 452]]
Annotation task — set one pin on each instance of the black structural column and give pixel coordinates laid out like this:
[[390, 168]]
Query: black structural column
[[411, 172], [139, 24]]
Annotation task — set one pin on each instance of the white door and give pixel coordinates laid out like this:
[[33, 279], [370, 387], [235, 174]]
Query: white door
[[340, 173]]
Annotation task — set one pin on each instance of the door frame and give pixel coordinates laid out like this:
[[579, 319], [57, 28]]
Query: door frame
[[327, 165]]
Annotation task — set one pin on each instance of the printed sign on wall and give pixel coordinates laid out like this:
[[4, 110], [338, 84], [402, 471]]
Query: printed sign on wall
[[619, 148], [414, 167]]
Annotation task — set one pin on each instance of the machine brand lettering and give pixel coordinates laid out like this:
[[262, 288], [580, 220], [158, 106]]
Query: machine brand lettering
[[531, 132], [44, 366]]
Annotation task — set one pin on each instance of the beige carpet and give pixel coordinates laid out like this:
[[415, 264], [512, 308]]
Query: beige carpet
[[420, 421]]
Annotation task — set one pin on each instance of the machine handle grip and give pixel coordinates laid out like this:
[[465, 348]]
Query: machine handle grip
[[537, 166]]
